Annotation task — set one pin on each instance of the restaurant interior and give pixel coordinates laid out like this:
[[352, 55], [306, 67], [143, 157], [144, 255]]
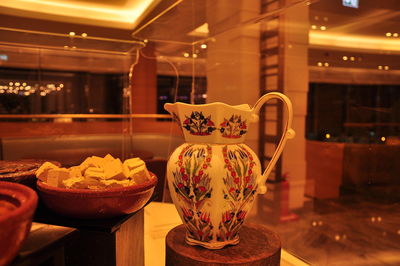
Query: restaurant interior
[[85, 77]]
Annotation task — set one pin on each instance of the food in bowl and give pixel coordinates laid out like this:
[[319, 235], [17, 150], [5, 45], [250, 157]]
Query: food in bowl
[[100, 187], [95, 173]]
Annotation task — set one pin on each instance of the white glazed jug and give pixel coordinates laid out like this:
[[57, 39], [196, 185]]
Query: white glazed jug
[[213, 177]]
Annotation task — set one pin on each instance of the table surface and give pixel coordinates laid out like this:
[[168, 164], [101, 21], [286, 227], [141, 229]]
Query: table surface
[[43, 240]]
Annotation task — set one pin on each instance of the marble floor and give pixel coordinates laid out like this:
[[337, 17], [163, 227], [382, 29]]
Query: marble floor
[[352, 230]]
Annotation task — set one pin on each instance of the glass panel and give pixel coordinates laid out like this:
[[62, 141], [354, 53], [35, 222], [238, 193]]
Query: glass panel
[[333, 194]]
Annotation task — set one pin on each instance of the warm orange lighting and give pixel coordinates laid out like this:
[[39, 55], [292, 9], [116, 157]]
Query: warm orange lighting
[[386, 67], [383, 139], [314, 27], [194, 55], [388, 34], [72, 33], [327, 136], [326, 64], [380, 67], [323, 27], [319, 63], [203, 46], [352, 58], [353, 41], [84, 35], [127, 14], [395, 35], [345, 58], [186, 54]]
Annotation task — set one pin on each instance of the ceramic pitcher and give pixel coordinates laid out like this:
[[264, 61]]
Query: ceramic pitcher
[[213, 177]]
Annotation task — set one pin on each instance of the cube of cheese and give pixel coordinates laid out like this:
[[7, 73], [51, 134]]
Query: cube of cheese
[[41, 173], [98, 161], [94, 172], [133, 163], [140, 174], [75, 171], [113, 170], [86, 164], [109, 157], [73, 182], [115, 183], [55, 177]]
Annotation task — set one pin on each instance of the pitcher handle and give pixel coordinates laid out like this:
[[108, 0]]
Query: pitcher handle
[[288, 133]]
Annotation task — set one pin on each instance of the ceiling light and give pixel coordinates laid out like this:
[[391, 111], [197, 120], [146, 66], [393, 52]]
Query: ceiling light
[[186, 54], [145, 41], [388, 34], [10, 83], [352, 58], [395, 35], [84, 35], [194, 55], [203, 46], [316, 18], [314, 27], [345, 58], [319, 63], [386, 67], [326, 64], [323, 27], [71, 33], [380, 67], [383, 139]]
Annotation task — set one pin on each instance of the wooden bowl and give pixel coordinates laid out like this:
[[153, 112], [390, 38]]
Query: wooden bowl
[[94, 204], [17, 206]]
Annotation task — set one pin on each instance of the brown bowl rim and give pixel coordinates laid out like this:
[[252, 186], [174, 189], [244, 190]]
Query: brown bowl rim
[[42, 187], [25, 206]]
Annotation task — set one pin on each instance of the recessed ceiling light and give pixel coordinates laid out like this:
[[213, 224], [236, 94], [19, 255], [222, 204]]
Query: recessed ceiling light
[[380, 67], [194, 55], [203, 46], [186, 54], [388, 34], [395, 35], [386, 67], [345, 58], [84, 35], [319, 63], [326, 64], [323, 27], [352, 58], [314, 27], [71, 33]]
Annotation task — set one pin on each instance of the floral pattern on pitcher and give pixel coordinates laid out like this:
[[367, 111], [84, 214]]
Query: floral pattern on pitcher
[[198, 124], [234, 127], [192, 185], [240, 187]]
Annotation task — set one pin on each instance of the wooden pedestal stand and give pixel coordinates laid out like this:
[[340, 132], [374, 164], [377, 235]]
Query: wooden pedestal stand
[[257, 246]]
